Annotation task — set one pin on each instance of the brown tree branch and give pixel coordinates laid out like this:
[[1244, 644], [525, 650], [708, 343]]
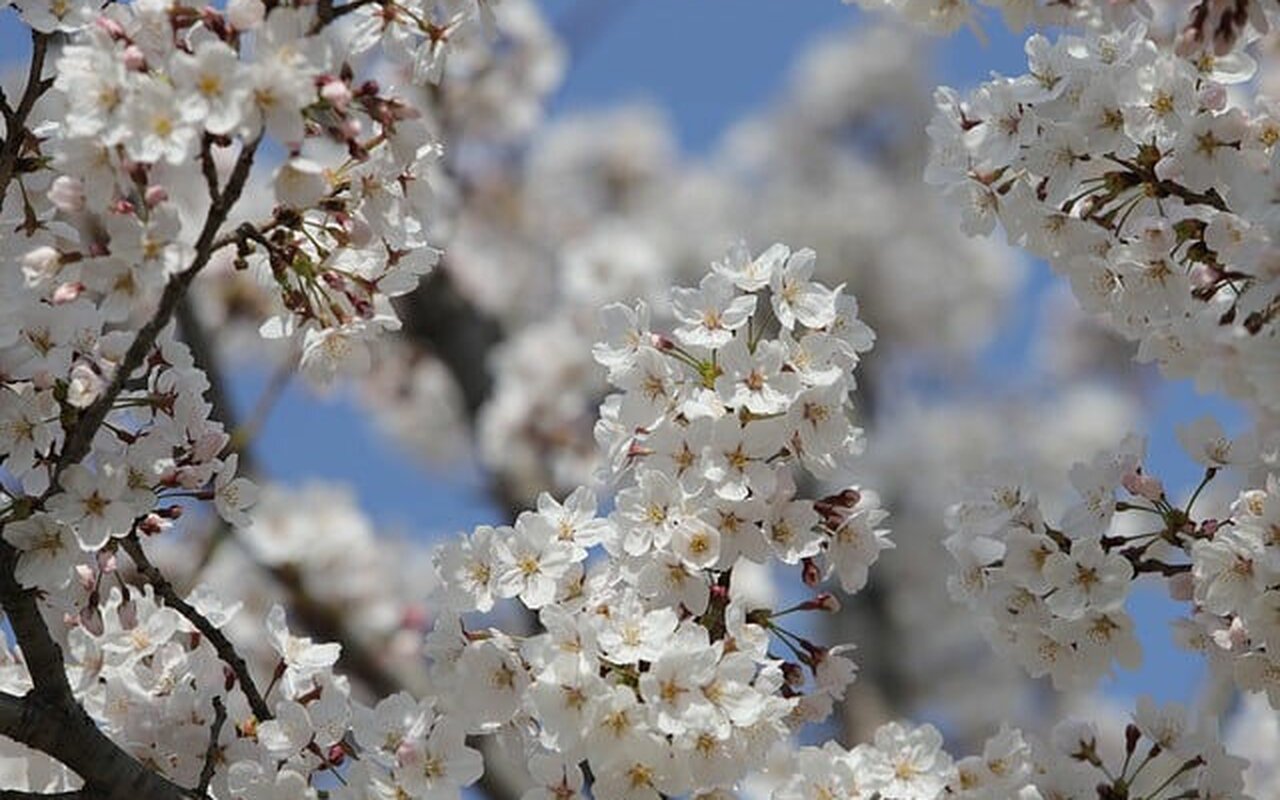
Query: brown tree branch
[[211, 754], [225, 649], [49, 718], [59, 727], [16, 118], [80, 438]]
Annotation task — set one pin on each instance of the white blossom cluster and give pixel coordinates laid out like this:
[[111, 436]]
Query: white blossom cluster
[[600, 211], [154, 685], [158, 448], [1053, 596], [1201, 26], [155, 117], [1133, 172], [1160, 755], [123, 162], [655, 666]]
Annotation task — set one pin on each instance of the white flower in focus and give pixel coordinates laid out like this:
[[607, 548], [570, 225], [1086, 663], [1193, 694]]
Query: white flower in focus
[[233, 495], [47, 551], [908, 764], [302, 659]]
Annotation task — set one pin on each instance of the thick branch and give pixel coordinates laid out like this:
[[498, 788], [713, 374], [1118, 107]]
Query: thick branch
[[59, 727], [438, 317], [49, 718]]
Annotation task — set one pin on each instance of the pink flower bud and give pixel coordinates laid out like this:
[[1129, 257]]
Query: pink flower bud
[[111, 27], [151, 525], [170, 512], [86, 577], [91, 620], [810, 573], [337, 94], [67, 292], [823, 602], [155, 195], [106, 562], [337, 754], [415, 617], [661, 342], [134, 59], [128, 613]]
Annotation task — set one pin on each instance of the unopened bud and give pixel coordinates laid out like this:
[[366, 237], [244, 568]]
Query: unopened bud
[[110, 26], [170, 512], [91, 619], [155, 195], [661, 342], [128, 613], [106, 562], [86, 577], [1131, 737], [337, 94], [415, 617], [823, 602], [810, 573], [67, 292], [337, 754], [134, 59]]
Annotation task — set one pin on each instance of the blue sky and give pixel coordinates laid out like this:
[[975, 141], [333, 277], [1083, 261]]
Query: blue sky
[[706, 62]]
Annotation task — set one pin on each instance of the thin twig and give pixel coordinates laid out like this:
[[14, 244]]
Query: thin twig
[[80, 438], [225, 649], [16, 119], [211, 754]]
